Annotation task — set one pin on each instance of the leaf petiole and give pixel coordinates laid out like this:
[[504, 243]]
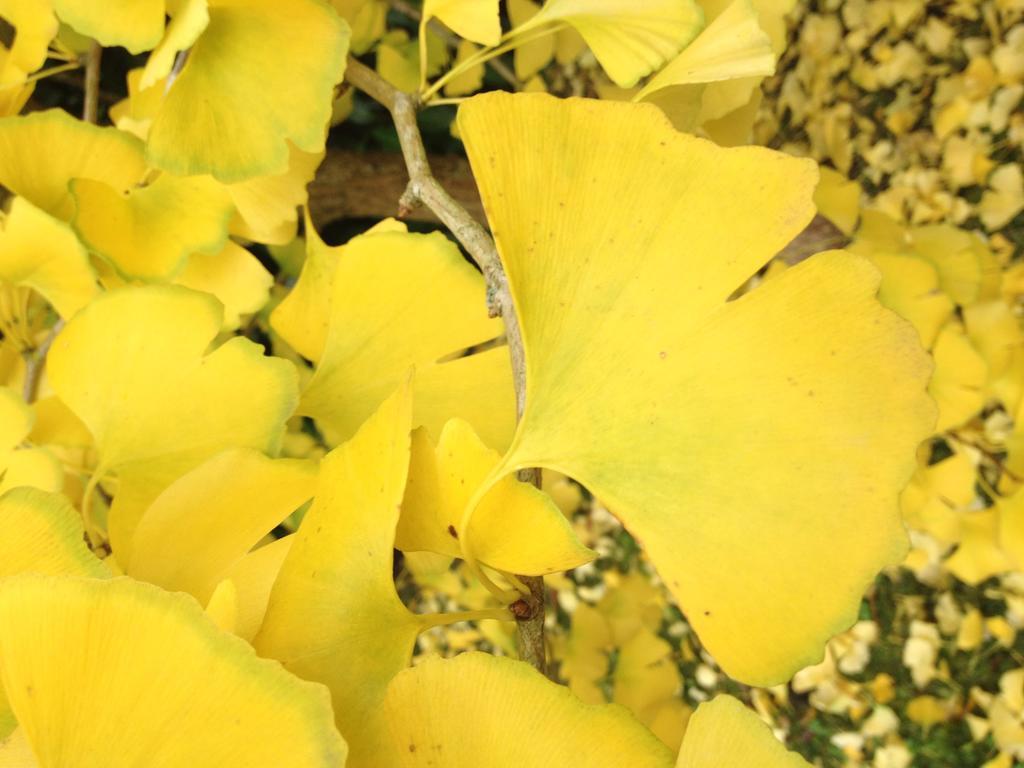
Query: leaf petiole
[[431, 620]]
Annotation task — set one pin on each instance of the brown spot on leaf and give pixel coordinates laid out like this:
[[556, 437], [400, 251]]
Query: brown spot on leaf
[[452, 532]]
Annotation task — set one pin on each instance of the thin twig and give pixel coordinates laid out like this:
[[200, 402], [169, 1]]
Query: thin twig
[[35, 359], [424, 189], [34, 362], [90, 110], [529, 611]]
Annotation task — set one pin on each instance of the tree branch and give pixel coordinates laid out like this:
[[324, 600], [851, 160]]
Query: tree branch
[[90, 110], [424, 189], [352, 184]]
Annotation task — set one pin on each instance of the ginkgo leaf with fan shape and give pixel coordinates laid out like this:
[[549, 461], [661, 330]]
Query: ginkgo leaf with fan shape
[[732, 46], [400, 300], [235, 276], [303, 316], [629, 39], [134, 366], [518, 529], [74, 150], [475, 20], [205, 522], [35, 27], [148, 233], [42, 533], [23, 465], [101, 672], [133, 24], [334, 615], [42, 253], [232, 110], [716, 430], [450, 712]]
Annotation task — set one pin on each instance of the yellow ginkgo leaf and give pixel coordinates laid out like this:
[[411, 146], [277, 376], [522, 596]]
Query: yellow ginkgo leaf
[[188, 21], [475, 20], [631, 607], [401, 300], [751, 412], [148, 233], [453, 712], [910, 287], [56, 424], [35, 27], [334, 615], [733, 46], [15, 751], [42, 534], [1000, 204], [957, 258], [233, 110], [936, 495], [630, 39], [995, 330], [727, 99], [136, 25], [134, 113], [530, 58], [979, 555], [15, 420], [669, 723], [838, 199], [583, 654], [41, 252], [401, 61], [880, 232], [104, 671], [34, 467], [74, 150], [367, 18], [958, 382], [267, 205], [254, 576], [23, 465], [234, 276], [734, 129], [134, 367], [516, 529], [303, 316], [723, 733], [646, 676], [1011, 527], [205, 522], [569, 45], [472, 79], [222, 607]]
